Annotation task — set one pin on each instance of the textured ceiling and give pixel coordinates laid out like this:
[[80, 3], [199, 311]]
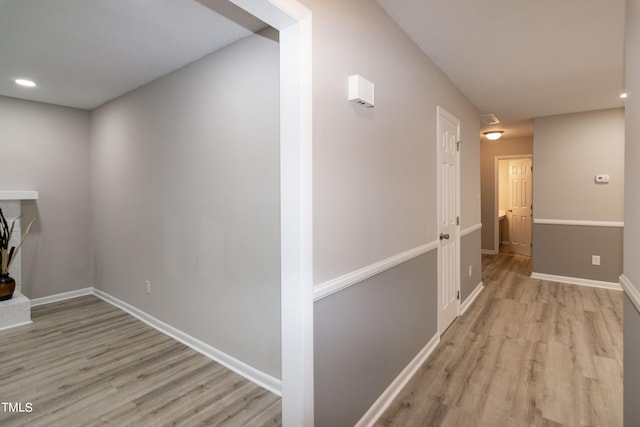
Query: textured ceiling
[[83, 53], [523, 59]]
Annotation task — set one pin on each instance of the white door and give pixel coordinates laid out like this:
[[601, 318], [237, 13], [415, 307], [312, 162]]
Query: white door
[[520, 206], [448, 249]]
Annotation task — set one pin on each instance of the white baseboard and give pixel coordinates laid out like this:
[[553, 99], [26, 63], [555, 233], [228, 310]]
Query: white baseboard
[[387, 397], [270, 383], [471, 298], [61, 297], [14, 325], [488, 252], [577, 281], [631, 291], [254, 375]]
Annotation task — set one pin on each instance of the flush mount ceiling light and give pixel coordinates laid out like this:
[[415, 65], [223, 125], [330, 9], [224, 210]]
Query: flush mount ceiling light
[[623, 95], [25, 82], [493, 134]]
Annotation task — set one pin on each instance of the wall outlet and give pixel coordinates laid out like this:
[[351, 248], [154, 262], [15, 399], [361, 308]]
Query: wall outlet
[[148, 286], [595, 259], [470, 270]]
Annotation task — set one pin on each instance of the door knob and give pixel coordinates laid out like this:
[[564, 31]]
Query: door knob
[[444, 236]]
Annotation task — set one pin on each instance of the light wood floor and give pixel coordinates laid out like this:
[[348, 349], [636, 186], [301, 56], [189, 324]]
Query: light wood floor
[[84, 362], [527, 352]]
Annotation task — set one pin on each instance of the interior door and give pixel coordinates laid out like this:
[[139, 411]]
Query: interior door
[[520, 206], [448, 249]]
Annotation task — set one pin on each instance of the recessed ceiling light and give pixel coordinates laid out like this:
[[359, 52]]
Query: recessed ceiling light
[[25, 82], [623, 95]]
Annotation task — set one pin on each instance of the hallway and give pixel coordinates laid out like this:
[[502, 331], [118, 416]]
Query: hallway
[[527, 352]]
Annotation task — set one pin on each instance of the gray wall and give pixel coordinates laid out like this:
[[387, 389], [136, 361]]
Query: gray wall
[[185, 181], [366, 334], [375, 169], [632, 216], [470, 257], [488, 152], [569, 150], [46, 148], [632, 148], [375, 197], [566, 251]]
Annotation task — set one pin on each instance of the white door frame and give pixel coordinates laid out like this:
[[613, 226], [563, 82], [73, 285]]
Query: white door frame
[[496, 194], [294, 24], [442, 112]]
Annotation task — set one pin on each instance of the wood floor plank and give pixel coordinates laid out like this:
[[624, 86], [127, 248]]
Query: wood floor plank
[[526, 353], [83, 362]]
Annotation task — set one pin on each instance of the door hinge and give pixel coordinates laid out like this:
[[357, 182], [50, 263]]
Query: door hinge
[[457, 220], [458, 145], [458, 295]]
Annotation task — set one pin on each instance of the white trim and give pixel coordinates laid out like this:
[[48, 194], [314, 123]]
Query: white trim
[[15, 325], [471, 229], [584, 223], [18, 195], [488, 252], [386, 398], [252, 374], [577, 281], [471, 298], [293, 21], [62, 296], [346, 280], [631, 291]]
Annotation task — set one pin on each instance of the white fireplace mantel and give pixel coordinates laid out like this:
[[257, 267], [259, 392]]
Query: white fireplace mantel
[[17, 310], [18, 195]]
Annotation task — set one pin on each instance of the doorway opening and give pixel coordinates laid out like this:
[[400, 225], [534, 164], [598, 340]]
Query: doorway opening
[[514, 206]]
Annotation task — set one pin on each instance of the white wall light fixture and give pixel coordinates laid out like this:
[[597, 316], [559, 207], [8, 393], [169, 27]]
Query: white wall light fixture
[[361, 91], [493, 134]]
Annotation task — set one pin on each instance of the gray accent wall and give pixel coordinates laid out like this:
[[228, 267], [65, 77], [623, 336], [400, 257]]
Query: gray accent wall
[[46, 148], [185, 180], [632, 216], [470, 257], [365, 335], [489, 150], [566, 250], [631, 358]]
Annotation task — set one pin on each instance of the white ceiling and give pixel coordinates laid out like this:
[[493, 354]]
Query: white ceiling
[[519, 59], [83, 53], [522, 59]]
